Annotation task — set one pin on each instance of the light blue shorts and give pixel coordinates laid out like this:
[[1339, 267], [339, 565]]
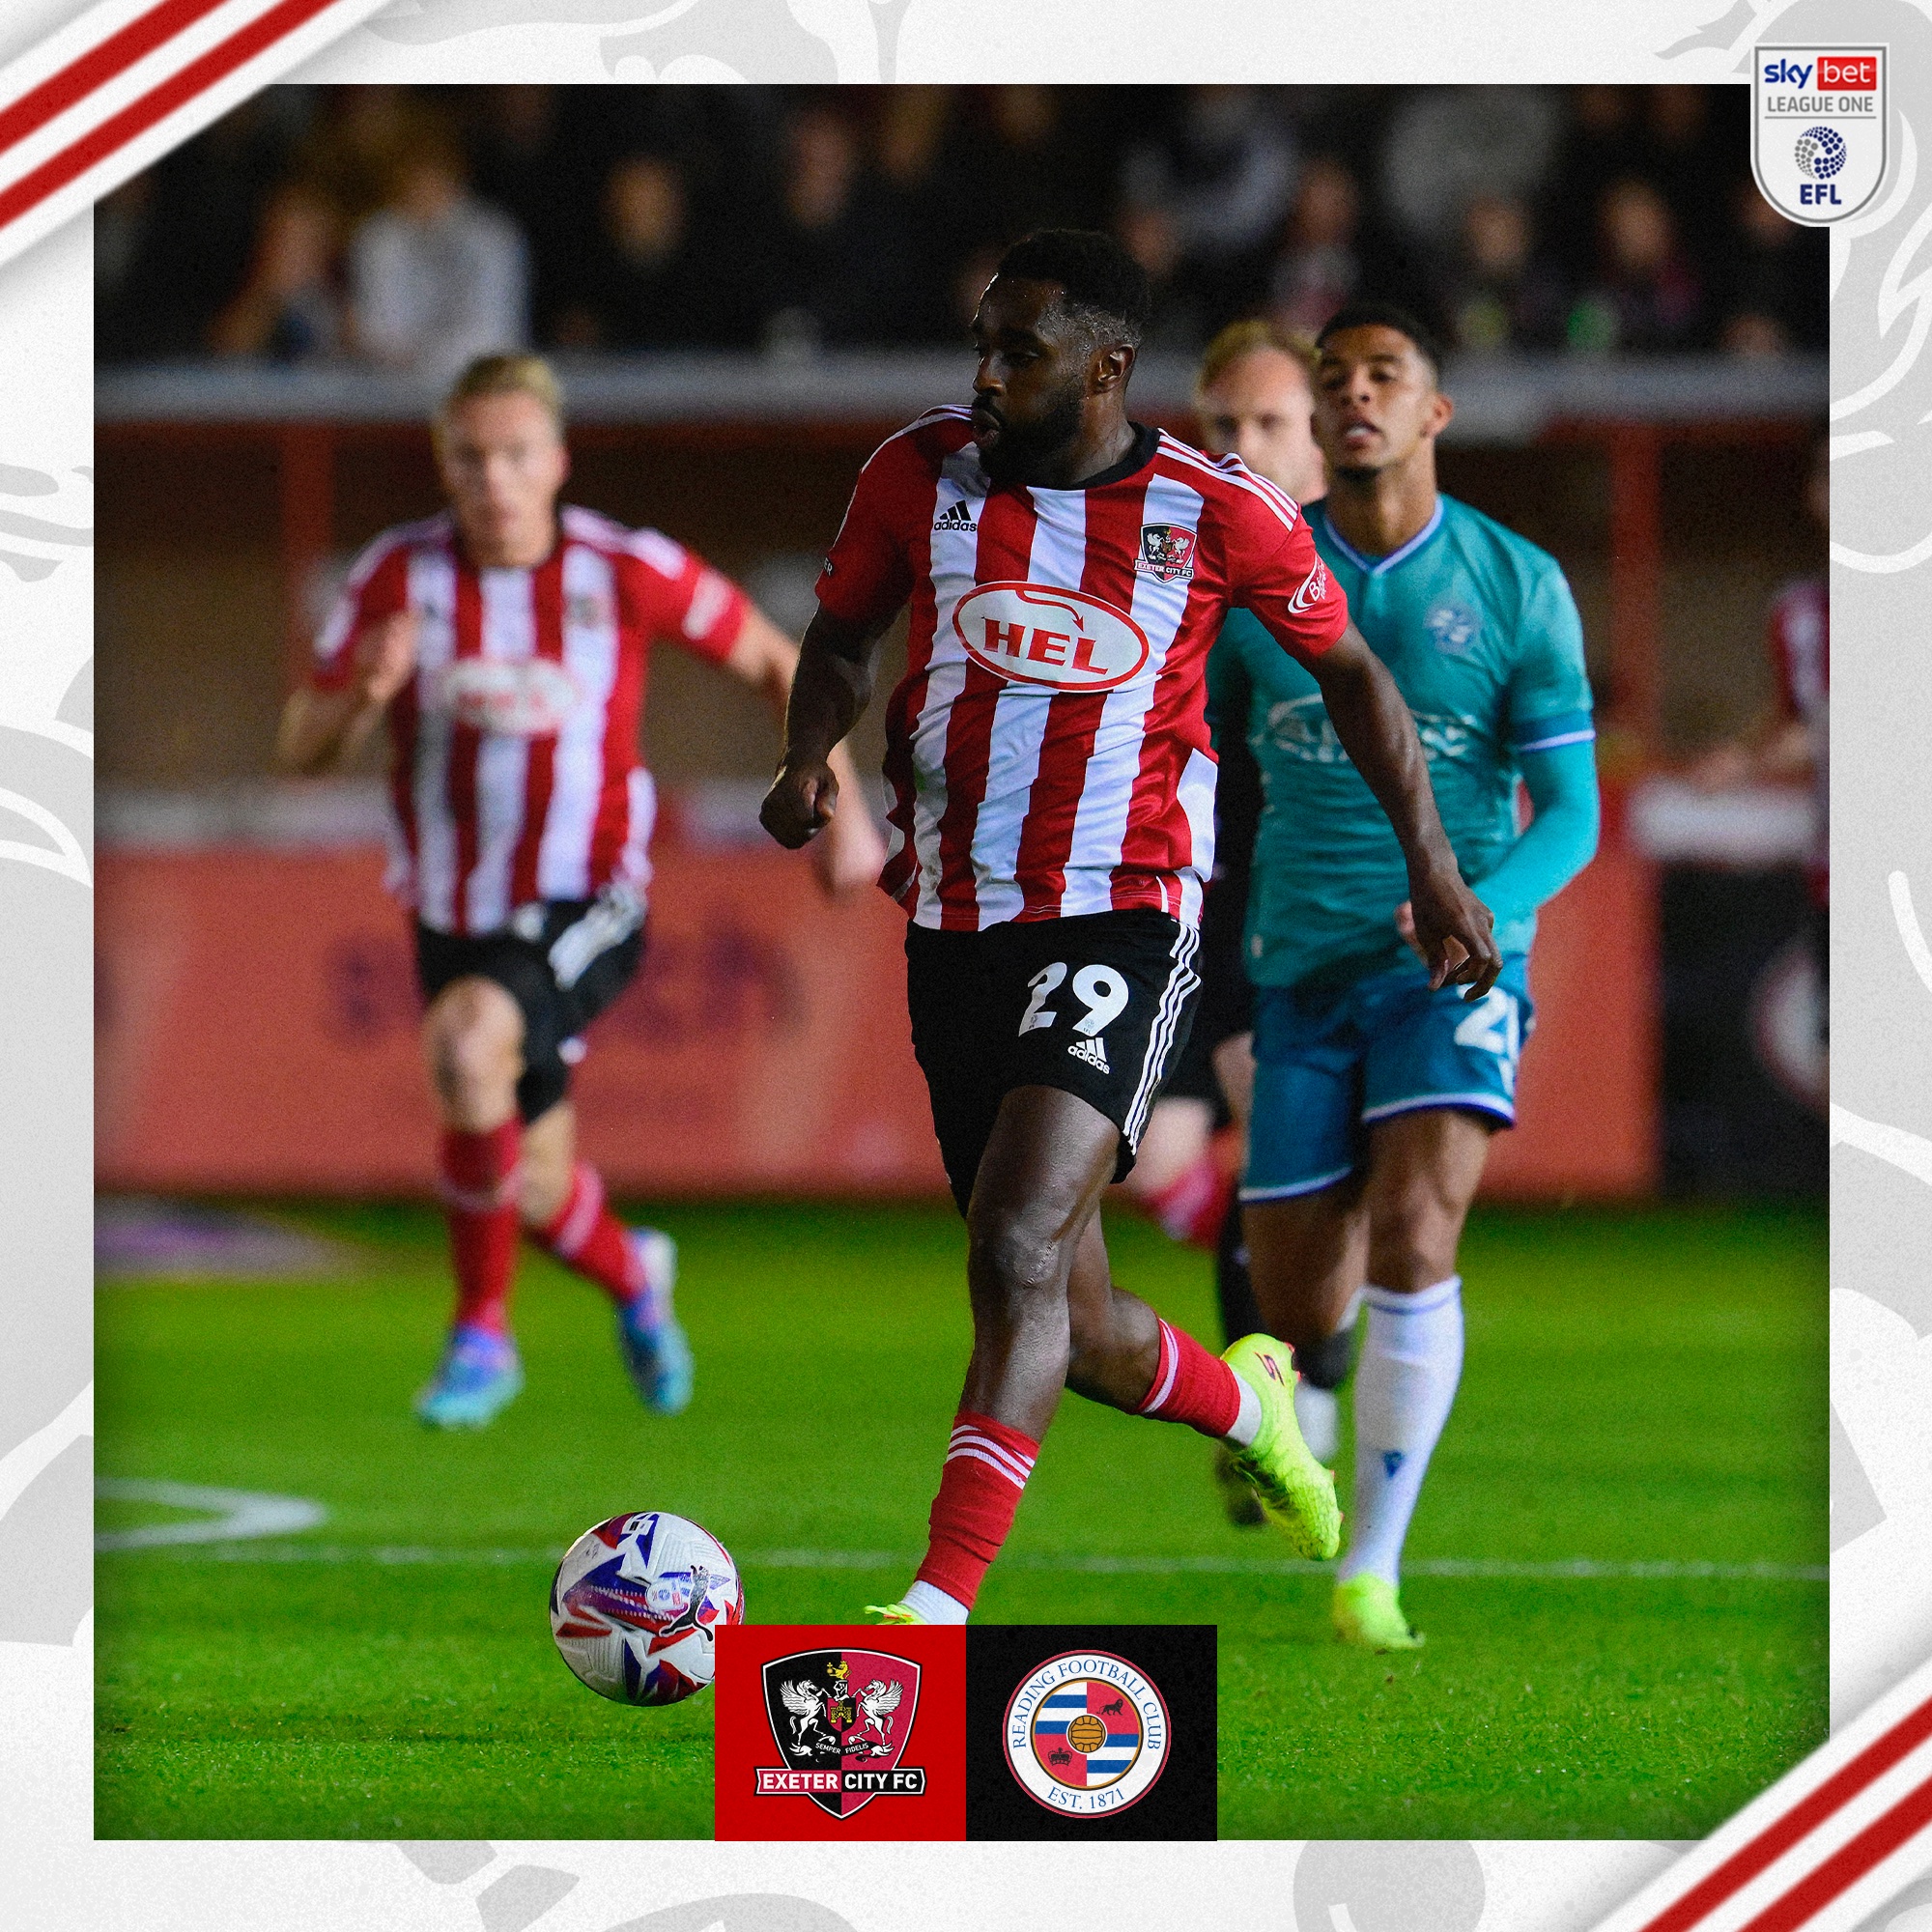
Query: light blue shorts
[[1330, 1063]]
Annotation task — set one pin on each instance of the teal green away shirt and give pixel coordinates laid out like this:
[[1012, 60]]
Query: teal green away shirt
[[1479, 630]]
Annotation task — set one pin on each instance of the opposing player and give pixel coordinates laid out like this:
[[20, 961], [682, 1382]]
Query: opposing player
[[1253, 398], [1050, 833], [507, 643], [1376, 1093]]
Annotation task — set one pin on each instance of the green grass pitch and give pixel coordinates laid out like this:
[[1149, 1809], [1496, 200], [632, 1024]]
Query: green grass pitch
[[1641, 1389]]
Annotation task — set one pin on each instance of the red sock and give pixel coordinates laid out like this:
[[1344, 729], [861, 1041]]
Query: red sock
[[1192, 1386], [1194, 1204], [986, 1467], [587, 1237], [478, 1185]]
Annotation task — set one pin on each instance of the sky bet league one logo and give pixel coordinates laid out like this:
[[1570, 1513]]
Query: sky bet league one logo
[[1818, 129]]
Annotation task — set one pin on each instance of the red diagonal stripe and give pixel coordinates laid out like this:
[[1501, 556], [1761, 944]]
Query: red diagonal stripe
[[156, 104], [1803, 1818], [98, 65], [1849, 1863]]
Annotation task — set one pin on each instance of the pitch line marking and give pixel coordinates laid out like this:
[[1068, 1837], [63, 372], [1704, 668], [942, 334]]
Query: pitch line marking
[[235, 1514], [1476, 1568]]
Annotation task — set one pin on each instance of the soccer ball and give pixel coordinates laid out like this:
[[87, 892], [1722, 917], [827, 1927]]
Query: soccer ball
[[636, 1606]]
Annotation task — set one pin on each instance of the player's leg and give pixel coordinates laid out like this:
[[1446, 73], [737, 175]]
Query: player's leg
[[1424, 1168], [1301, 1210], [1439, 1079], [1307, 1254], [1031, 1140], [583, 957], [1177, 1178], [567, 1214], [473, 1037]]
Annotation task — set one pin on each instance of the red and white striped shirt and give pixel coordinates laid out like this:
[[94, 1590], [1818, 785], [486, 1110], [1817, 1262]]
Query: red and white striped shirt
[[1047, 748], [515, 775], [1799, 634]]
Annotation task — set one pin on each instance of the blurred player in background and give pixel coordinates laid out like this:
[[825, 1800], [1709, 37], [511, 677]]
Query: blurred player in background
[[1253, 398], [1792, 740], [1376, 1090], [508, 640], [1053, 820]]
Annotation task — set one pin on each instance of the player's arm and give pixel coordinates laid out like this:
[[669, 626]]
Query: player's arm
[[1454, 931], [1555, 743], [863, 585], [324, 725], [838, 666], [852, 851], [1560, 838]]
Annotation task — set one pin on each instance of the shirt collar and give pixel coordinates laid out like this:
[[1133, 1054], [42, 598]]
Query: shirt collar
[[1376, 566]]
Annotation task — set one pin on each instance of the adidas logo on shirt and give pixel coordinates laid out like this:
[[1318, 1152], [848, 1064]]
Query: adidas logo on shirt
[[957, 517], [1092, 1052]]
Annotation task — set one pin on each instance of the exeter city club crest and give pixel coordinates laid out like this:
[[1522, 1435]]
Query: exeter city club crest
[[1818, 128], [841, 1720]]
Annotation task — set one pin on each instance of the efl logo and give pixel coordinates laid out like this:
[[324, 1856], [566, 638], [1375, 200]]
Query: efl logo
[[1819, 132], [1036, 634]]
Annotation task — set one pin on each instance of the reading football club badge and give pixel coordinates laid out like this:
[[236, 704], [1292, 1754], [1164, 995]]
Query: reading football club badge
[[1818, 128], [1086, 1734]]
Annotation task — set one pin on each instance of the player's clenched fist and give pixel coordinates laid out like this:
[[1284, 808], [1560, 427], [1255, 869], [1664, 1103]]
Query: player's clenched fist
[[800, 804], [386, 656]]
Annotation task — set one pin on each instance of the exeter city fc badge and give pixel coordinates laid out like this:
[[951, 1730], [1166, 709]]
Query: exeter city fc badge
[[1086, 1734], [1167, 552], [842, 1719], [1818, 128]]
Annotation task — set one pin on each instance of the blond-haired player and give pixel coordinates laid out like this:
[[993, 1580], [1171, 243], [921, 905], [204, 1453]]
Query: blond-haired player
[[507, 642]]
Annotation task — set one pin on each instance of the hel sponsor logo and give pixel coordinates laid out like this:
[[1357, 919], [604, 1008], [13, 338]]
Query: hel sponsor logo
[[533, 698], [1167, 552], [1086, 1734], [1037, 634], [840, 1720]]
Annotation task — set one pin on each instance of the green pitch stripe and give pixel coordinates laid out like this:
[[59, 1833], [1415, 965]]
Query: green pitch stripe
[[1562, 1570]]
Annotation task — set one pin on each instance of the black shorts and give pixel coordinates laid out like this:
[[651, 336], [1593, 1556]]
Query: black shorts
[[562, 962], [1098, 1006], [1227, 1003]]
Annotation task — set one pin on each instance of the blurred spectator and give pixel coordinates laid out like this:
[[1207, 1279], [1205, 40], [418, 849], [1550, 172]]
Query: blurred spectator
[[918, 188], [1776, 296], [1601, 142], [1320, 266], [1500, 293], [290, 308], [1645, 294], [353, 151], [1209, 195], [1446, 145], [436, 277], [1031, 166], [645, 287], [838, 268]]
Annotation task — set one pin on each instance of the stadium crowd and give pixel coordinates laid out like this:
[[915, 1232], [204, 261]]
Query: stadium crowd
[[411, 227]]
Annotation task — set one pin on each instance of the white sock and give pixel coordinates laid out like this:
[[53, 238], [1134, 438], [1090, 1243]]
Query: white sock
[[1248, 1423], [1405, 1383], [930, 1601], [1320, 1415]]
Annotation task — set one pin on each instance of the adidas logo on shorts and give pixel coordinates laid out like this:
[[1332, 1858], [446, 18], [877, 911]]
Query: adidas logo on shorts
[[1092, 1052]]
